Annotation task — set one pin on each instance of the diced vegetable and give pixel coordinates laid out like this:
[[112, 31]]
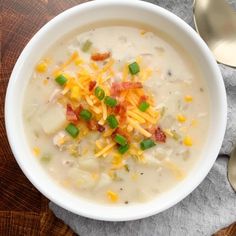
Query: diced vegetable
[[86, 46], [100, 56], [112, 196], [100, 128], [126, 167], [45, 158], [146, 144], [109, 101], [120, 139], [112, 121], [123, 149], [143, 106], [70, 114], [42, 67], [72, 130], [188, 98], [92, 84], [118, 87], [99, 93], [181, 118], [61, 79], [176, 136], [85, 115], [92, 124], [53, 119], [159, 135], [104, 180], [89, 163], [82, 179], [188, 141], [134, 68]]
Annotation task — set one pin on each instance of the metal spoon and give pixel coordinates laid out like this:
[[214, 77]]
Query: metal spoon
[[215, 21], [232, 169]]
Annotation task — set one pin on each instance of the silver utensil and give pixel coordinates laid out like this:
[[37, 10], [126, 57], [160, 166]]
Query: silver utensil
[[215, 21], [232, 169]]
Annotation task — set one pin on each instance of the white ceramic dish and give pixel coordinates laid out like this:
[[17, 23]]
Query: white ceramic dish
[[105, 11]]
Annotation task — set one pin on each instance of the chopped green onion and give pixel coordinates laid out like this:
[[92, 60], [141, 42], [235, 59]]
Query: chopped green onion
[[72, 130], [99, 93], [61, 79], [126, 167], [123, 149], [109, 101], [163, 110], [86, 46], [176, 136], [146, 144], [85, 114], [45, 158], [120, 139], [143, 106], [134, 68], [112, 121]]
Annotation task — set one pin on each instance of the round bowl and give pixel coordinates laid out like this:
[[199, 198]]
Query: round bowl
[[104, 10]]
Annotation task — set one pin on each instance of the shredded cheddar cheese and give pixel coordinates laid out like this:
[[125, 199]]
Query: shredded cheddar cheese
[[136, 126], [105, 149]]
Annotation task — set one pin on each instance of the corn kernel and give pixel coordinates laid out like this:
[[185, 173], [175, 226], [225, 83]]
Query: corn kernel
[[117, 160], [194, 123], [78, 61], [65, 183], [134, 176], [188, 141], [112, 196], [45, 81], [142, 32], [181, 118], [75, 92], [42, 67], [95, 176], [36, 151], [188, 98]]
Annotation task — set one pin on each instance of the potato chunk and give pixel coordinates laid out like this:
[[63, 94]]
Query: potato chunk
[[53, 119], [90, 164]]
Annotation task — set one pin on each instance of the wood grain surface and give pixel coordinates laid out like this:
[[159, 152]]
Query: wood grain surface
[[23, 210]]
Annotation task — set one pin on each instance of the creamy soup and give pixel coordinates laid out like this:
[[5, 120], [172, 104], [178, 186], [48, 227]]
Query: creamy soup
[[116, 114]]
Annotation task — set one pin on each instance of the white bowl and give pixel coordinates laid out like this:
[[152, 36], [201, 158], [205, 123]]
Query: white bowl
[[104, 10]]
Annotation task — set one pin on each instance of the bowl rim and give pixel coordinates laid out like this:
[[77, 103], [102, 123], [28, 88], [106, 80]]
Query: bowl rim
[[145, 6]]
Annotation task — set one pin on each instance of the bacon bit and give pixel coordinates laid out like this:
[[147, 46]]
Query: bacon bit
[[143, 98], [92, 84], [159, 135], [93, 125], [100, 56], [78, 110], [70, 114], [100, 128], [120, 110], [118, 87]]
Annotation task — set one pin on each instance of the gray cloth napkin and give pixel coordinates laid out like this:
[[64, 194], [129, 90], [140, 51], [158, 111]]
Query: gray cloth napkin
[[207, 209]]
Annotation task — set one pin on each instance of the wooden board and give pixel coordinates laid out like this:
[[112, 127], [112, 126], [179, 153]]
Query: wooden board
[[23, 210]]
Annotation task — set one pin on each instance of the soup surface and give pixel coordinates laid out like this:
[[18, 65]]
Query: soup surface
[[116, 114]]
